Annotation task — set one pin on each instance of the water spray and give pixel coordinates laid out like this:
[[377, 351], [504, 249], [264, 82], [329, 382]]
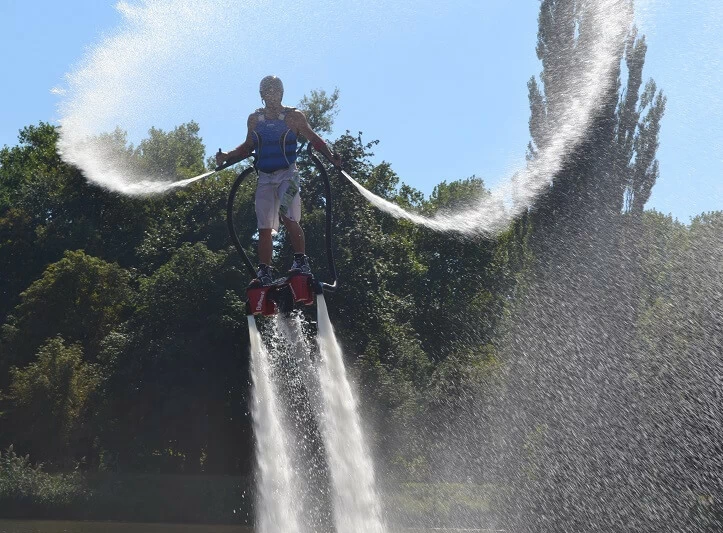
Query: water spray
[[276, 509], [355, 501], [582, 91]]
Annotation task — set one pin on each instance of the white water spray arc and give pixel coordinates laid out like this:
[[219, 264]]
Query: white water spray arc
[[582, 91], [160, 61], [170, 62]]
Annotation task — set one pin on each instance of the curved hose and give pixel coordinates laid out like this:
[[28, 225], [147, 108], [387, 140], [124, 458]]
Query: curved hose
[[327, 188], [229, 220], [234, 236]]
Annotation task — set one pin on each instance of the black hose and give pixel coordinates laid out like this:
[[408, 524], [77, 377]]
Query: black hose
[[329, 237], [229, 220]]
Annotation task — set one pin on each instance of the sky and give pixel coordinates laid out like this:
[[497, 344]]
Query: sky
[[443, 86]]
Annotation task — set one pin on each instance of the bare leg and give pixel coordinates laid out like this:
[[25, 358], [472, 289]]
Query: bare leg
[[266, 247], [296, 234]]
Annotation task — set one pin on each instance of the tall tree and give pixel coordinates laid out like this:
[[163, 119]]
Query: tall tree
[[563, 35], [80, 298], [636, 139]]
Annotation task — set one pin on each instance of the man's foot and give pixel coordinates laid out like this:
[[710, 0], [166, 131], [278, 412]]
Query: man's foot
[[265, 274], [300, 264]]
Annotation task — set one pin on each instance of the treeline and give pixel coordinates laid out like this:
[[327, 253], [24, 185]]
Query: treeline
[[124, 344], [124, 347]]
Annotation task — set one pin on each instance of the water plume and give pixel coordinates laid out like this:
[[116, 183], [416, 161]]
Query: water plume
[[173, 61], [143, 70], [356, 502], [298, 387], [579, 91], [277, 508]]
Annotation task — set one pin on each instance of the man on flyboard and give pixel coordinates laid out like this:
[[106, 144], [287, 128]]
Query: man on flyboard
[[272, 135]]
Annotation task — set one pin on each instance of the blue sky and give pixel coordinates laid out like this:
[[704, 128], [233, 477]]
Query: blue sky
[[442, 85]]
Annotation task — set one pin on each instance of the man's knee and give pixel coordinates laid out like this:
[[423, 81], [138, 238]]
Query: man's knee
[[286, 221]]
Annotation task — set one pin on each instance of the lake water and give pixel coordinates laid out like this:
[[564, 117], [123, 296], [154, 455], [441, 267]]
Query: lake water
[[60, 526]]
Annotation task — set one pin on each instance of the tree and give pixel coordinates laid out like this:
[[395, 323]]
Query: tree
[[454, 301], [177, 373], [637, 140], [176, 154], [584, 185], [320, 110], [52, 208], [679, 361], [50, 400], [80, 298]]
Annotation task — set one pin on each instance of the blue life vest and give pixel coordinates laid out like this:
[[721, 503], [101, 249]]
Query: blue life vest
[[274, 142]]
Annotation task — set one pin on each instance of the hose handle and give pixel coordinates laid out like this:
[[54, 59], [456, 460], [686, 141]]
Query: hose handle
[[228, 162]]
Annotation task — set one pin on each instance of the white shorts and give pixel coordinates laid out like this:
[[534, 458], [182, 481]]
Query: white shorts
[[270, 197]]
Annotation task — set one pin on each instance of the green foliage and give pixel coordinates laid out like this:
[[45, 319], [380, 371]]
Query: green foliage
[[181, 290], [172, 155], [34, 155], [167, 498], [613, 167], [123, 319], [28, 491], [51, 398], [320, 110], [51, 209], [167, 350], [461, 375], [25, 488], [438, 504], [180, 356], [196, 214], [80, 298], [587, 274]]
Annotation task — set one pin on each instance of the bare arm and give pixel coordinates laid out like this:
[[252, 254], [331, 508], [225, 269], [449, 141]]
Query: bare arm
[[243, 150], [301, 125]]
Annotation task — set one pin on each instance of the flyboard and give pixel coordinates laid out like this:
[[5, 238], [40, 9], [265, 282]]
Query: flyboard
[[297, 289]]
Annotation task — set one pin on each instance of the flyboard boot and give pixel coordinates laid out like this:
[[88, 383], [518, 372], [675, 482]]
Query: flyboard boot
[[301, 281], [264, 275], [300, 264], [267, 296], [260, 301]]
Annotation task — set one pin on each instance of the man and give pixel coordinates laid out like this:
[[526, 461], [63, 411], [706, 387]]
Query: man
[[272, 134]]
